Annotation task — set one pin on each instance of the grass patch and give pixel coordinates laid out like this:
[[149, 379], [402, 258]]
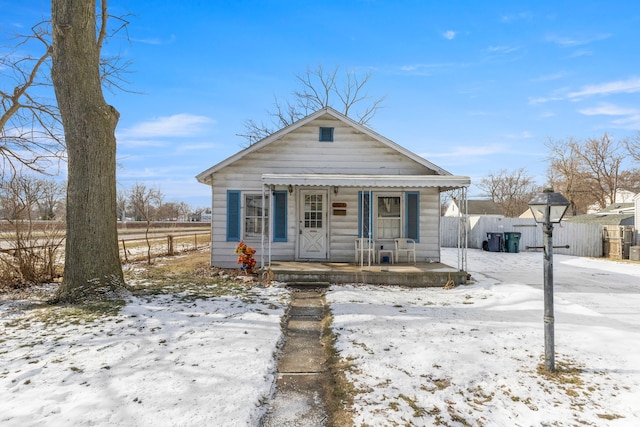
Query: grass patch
[[417, 410], [189, 277], [339, 391]]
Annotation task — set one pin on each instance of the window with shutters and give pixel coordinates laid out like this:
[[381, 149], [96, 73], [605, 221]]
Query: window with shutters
[[389, 220], [253, 213]]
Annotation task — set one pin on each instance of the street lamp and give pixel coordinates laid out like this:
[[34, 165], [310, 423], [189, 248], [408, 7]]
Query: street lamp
[[548, 208]]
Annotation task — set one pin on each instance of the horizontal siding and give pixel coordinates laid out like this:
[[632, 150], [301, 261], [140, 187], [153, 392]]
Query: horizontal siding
[[343, 230], [299, 151]]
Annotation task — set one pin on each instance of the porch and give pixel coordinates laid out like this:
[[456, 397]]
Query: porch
[[325, 273]]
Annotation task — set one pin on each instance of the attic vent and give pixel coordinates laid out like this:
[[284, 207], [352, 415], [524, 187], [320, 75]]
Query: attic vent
[[326, 134]]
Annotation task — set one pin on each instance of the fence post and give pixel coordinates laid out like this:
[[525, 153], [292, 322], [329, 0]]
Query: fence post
[[124, 249], [170, 244], [195, 238]]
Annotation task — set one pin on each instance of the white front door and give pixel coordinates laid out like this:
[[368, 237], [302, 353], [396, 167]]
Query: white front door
[[313, 224]]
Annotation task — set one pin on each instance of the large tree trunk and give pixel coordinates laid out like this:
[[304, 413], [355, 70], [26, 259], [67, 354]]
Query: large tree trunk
[[92, 263]]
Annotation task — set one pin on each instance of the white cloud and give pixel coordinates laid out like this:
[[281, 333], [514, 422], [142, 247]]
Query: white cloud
[[572, 42], [515, 17], [548, 77], [459, 151], [608, 110], [449, 34], [503, 49], [631, 85], [155, 41], [620, 86], [522, 135], [178, 125], [630, 117], [195, 147]]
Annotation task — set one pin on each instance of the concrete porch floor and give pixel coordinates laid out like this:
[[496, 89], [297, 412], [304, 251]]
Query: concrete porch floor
[[419, 275]]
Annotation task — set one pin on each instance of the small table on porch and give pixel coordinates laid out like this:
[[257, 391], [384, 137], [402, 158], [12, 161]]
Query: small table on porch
[[385, 252]]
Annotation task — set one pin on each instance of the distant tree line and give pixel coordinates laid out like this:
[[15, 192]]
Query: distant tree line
[[587, 172], [29, 197]]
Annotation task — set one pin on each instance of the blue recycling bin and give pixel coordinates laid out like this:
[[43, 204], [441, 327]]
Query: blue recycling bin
[[495, 242], [512, 241]]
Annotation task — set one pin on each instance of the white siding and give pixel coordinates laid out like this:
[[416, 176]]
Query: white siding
[[299, 151]]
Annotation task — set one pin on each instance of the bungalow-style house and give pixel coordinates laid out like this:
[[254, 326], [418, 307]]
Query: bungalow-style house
[[310, 190]]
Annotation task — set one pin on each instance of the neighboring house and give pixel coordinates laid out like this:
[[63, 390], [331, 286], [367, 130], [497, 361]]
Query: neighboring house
[[474, 208], [613, 215], [308, 191], [622, 196]]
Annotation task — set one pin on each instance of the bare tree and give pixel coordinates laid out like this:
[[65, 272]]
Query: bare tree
[[601, 160], [589, 172], [51, 200], [92, 262], [144, 201], [319, 88], [511, 191], [633, 147], [566, 175], [30, 127], [34, 246]]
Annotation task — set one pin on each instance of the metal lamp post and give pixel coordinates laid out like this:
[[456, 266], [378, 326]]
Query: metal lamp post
[[548, 208]]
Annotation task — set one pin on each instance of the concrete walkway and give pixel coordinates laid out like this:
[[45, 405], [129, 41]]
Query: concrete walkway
[[299, 397]]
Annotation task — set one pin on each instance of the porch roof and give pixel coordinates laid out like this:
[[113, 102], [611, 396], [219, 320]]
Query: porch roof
[[444, 182]]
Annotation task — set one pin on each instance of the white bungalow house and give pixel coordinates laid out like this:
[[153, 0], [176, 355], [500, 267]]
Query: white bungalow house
[[310, 190]]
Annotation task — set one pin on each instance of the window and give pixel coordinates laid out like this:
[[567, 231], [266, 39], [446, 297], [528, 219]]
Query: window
[[253, 216], [388, 220], [313, 211], [326, 134]]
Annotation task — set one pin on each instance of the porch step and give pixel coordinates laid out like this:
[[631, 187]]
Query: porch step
[[307, 285]]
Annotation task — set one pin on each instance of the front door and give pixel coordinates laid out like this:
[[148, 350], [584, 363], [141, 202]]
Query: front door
[[313, 224]]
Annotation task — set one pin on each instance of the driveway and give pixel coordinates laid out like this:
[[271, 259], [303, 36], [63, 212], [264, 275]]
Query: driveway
[[608, 287]]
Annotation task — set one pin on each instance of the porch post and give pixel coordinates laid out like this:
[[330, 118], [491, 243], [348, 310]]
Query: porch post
[[262, 231]]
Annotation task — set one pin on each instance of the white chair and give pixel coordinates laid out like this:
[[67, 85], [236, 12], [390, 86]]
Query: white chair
[[365, 250], [406, 246]]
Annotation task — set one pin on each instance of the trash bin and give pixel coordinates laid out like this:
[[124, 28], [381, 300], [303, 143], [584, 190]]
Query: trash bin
[[512, 241], [634, 253], [495, 242]]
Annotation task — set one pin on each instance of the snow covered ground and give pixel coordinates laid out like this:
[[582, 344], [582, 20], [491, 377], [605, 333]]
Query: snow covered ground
[[470, 355], [166, 360], [466, 356]]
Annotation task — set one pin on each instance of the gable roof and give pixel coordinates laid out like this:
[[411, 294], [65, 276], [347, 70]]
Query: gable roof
[[203, 176], [481, 207], [614, 214]]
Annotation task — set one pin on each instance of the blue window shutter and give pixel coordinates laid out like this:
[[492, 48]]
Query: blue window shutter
[[364, 214], [413, 215], [233, 216], [279, 216]]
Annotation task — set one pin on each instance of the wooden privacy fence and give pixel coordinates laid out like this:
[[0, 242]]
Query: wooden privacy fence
[[582, 239], [617, 240]]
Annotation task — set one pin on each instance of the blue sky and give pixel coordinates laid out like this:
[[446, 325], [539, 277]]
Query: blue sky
[[473, 86]]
